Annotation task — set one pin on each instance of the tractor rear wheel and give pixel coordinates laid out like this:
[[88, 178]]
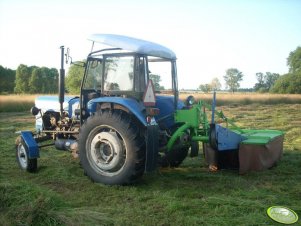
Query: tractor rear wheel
[[111, 148], [22, 156]]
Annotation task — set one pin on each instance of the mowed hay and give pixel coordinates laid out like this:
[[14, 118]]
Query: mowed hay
[[16, 103], [20, 103], [245, 98]]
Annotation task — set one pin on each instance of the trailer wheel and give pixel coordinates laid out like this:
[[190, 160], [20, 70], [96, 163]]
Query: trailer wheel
[[174, 158], [26, 164], [111, 149]]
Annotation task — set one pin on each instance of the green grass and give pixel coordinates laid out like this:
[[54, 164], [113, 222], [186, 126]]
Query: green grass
[[59, 194]]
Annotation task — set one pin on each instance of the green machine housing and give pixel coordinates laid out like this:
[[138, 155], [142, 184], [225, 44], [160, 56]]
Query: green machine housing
[[229, 146]]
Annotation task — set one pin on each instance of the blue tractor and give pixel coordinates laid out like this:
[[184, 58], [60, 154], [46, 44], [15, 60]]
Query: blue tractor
[[117, 125], [129, 120]]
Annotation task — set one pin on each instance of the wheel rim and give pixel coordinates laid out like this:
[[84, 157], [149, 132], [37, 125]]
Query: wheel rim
[[22, 156], [106, 151]]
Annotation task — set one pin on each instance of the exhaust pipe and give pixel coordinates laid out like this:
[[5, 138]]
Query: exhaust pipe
[[62, 82]]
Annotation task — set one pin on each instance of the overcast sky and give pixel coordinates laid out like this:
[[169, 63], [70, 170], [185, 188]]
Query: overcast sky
[[208, 37]]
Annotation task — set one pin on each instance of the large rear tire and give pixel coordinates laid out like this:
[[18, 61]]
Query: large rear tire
[[22, 156], [111, 149]]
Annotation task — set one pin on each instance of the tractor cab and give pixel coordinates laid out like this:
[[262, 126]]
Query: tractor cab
[[120, 75]]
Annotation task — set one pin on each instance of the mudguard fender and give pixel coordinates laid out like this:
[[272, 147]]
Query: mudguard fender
[[31, 144]]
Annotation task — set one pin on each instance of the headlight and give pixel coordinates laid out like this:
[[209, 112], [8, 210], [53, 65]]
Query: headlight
[[34, 111], [189, 101]]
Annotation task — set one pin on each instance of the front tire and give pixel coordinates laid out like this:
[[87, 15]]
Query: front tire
[[111, 149], [22, 156]]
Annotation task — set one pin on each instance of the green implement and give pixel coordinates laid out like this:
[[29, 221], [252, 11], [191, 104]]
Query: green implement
[[228, 147]]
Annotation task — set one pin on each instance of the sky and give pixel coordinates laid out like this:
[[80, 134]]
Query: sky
[[208, 37]]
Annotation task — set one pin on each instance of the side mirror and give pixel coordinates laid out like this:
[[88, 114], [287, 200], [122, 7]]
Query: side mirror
[[67, 55]]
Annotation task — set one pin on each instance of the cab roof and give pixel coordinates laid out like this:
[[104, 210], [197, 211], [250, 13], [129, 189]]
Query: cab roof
[[134, 44]]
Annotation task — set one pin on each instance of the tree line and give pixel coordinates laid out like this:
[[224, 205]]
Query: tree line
[[29, 79], [266, 82], [33, 79], [7, 80], [290, 82]]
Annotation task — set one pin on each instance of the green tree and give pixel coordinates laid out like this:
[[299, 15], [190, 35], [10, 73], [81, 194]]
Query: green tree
[[43, 80], [206, 88], [7, 80], [291, 82], [49, 80], [74, 78], [260, 85], [53, 75], [288, 83], [265, 81], [270, 79], [23, 75], [156, 81], [294, 60], [232, 78], [215, 84], [36, 81]]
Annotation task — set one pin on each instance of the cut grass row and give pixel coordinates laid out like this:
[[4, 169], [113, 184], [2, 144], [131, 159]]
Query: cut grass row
[[246, 98], [19, 103]]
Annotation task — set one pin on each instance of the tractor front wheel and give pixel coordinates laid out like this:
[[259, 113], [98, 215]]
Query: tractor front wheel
[[111, 149], [22, 156]]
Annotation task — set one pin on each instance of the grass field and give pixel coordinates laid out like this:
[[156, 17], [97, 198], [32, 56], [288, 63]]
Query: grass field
[[16, 103], [247, 98], [59, 194]]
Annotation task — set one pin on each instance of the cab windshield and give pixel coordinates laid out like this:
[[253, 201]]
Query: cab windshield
[[94, 75], [113, 74], [160, 72], [119, 73]]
